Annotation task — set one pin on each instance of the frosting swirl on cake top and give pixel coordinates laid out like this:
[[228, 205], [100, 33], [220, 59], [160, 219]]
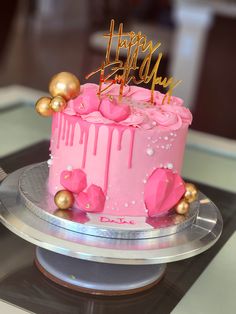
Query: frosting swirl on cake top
[[134, 109]]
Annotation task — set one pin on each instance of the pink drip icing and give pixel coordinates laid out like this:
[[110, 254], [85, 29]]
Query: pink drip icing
[[66, 129], [81, 139], [54, 117], [72, 133], [67, 133], [120, 135], [96, 139], [59, 129], [56, 121], [108, 154], [86, 132], [65, 125], [132, 133]]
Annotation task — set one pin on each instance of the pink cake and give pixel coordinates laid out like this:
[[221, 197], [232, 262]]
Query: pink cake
[[120, 158], [117, 149]]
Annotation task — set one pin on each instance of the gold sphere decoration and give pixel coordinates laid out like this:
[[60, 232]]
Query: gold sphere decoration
[[191, 192], [64, 199], [43, 107], [64, 84], [58, 104], [182, 207]]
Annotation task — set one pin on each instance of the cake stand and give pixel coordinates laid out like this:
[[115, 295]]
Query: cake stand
[[102, 254]]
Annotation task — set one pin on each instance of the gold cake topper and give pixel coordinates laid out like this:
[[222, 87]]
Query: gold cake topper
[[122, 72]]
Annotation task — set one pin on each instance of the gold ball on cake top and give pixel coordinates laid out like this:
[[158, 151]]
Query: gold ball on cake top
[[64, 199], [43, 107], [191, 192], [182, 207], [64, 84], [58, 104]]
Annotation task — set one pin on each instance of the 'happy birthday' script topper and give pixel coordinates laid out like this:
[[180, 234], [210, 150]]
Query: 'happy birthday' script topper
[[124, 72]]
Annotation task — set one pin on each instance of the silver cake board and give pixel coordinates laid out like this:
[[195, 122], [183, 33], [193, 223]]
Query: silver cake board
[[34, 195], [117, 255]]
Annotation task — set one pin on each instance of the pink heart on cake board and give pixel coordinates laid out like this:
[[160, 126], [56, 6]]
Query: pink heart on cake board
[[162, 191], [74, 181], [113, 110], [91, 201]]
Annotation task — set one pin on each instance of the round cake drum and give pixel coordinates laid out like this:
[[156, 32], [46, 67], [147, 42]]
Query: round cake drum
[[34, 194], [21, 219]]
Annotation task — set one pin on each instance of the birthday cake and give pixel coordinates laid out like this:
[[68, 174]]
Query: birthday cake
[[117, 148]]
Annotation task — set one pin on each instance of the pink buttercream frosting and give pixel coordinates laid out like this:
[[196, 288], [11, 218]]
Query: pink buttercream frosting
[[114, 89], [139, 93], [167, 119], [134, 109]]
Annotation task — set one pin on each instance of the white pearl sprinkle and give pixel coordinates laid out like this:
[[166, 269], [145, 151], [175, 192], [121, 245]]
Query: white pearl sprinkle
[[69, 168], [150, 151], [171, 134], [133, 202], [162, 146], [170, 165], [49, 162], [126, 205], [166, 138], [154, 123], [149, 137], [144, 181]]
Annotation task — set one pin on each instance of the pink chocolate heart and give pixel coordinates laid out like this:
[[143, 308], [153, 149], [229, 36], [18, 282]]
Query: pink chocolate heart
[[74, 181], [113, 110], [91, 201], [87, 102], [162, 191]]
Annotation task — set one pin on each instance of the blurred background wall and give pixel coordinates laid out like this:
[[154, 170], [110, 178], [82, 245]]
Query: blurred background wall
[[42, 37]]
